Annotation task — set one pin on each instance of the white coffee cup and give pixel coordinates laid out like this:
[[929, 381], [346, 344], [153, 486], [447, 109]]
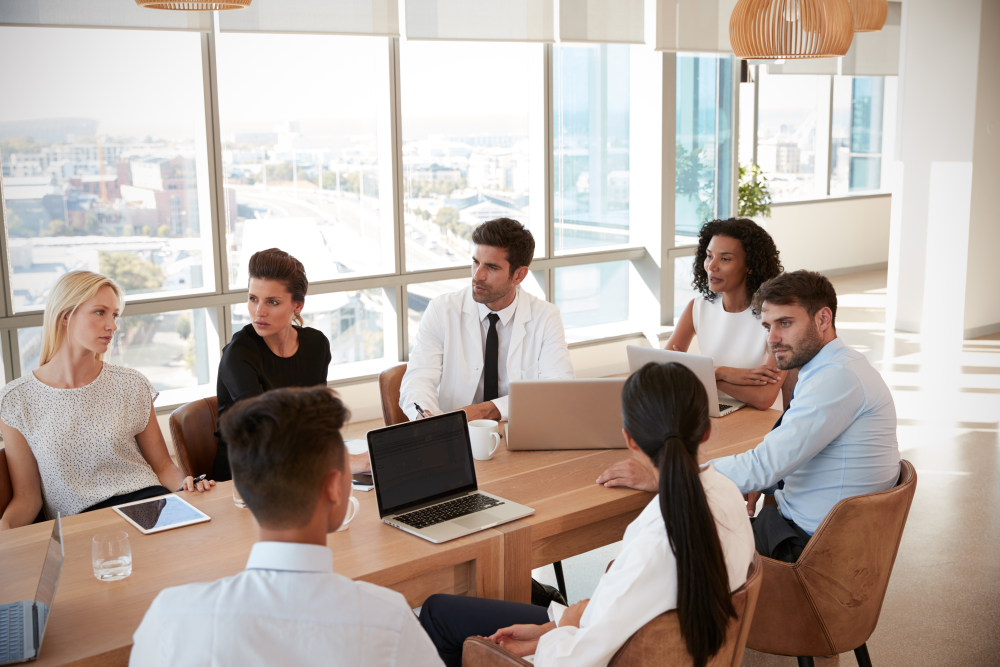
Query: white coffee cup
[[355, 508], [485, 435]]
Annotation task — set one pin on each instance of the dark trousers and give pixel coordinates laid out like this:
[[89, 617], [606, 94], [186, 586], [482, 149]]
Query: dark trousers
[[141, 494], [777, 537], [451, 619]]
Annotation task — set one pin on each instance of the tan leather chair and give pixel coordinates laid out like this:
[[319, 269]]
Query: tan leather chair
[[193, 427], [828, 602], [659, 642], [389, 381], [6, 487]]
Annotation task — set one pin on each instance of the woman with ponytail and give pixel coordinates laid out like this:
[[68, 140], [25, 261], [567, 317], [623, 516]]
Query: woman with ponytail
[[688, 550], [275, 350]]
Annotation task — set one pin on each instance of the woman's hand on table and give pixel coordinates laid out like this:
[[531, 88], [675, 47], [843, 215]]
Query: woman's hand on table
[[750, 377], [631, 474], [360, 462], [200, 486], [521, 640]]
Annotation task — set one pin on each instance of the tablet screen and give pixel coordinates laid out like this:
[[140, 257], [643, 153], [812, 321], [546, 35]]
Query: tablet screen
[[160, 513]]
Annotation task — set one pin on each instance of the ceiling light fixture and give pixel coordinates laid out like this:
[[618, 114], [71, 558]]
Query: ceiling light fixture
[[194, 5], [869, 15], [791, 29]]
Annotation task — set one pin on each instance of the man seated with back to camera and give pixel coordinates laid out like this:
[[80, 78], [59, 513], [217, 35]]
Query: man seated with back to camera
[[836, 438], [288, 607], [473, 342]]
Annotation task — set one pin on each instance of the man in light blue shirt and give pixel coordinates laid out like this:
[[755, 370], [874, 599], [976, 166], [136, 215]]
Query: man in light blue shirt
[[836, 438]]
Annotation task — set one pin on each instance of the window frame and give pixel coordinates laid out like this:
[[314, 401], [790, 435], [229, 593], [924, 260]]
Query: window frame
[[652, 242]]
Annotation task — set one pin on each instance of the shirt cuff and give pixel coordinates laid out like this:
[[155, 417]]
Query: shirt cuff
[[555, 612], [501, 404]]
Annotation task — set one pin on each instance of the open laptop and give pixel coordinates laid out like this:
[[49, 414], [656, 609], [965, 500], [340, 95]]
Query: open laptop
[[565, 414], [425, 480], [701, 365], [22, 624]]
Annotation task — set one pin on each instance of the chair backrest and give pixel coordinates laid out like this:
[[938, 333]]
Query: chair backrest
[[389, 381], [829, 601], [660, 642], [193, 427], [6, 488]]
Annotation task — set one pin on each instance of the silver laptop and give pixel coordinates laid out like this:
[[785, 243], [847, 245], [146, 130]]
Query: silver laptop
[[425, 480], [22, 624], [565, 414], [701, 365]]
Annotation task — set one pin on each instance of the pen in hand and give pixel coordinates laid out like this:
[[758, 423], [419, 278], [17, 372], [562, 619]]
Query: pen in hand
[[199, 478], [420, 410]]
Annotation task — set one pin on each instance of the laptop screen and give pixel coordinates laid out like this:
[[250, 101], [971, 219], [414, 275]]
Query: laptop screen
[[421, 461], [51, 568]]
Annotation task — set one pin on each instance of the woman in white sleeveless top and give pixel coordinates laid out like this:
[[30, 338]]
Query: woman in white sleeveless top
[[734, 258], [81, 434]]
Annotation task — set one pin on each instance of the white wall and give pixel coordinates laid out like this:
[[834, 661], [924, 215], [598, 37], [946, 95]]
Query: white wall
[[832, 236], [982, 289]]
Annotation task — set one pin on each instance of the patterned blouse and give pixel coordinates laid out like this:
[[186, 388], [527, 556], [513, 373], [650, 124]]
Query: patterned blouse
[[84, 438]]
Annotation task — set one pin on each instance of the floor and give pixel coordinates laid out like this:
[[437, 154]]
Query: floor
[[943, 602]]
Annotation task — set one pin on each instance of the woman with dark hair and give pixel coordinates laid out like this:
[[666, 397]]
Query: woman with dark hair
[[274, 350], [734, 258], [688, 550]]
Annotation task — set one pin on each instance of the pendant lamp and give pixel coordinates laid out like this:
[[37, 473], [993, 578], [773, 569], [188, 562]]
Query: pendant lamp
[[791, 29], [194, 5], [869, 15]]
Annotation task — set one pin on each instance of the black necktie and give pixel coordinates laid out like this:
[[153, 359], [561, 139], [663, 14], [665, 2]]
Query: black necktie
[[491, 386], [778, 423]]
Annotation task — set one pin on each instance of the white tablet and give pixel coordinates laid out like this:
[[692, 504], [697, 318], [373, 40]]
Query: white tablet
[[161, 513]]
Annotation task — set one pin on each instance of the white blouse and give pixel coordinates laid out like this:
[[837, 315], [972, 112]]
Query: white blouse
[[642, 582], [84, 438], [736, 340]]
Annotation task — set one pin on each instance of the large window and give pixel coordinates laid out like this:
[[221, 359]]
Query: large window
[[590, 128], [704, 131], [591, 295], [466, 144], [301, 146], [856, 156], [105, 168]]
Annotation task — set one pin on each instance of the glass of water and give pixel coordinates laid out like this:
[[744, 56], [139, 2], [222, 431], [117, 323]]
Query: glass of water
[[237, 498], [112, 556]]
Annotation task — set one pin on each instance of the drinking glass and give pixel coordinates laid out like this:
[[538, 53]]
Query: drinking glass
[[237, 498], [112, 556]]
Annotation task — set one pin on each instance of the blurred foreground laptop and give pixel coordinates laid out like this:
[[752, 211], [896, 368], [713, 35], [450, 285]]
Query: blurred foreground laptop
[[565, 414], [22, 624], [425, 480], [699, 364]]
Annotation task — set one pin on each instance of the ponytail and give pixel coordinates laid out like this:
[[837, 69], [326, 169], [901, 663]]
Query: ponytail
[[665, 410]]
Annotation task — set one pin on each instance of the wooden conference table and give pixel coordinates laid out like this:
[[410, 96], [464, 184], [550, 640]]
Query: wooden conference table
[[92, 622]]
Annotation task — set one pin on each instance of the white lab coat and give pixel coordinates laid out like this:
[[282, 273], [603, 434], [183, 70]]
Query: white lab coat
[[447, 360]]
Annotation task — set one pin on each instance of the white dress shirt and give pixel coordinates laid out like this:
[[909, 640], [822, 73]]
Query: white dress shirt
[[287, 608], [503, 338], [642, 582], [836, 440], [446, 366]]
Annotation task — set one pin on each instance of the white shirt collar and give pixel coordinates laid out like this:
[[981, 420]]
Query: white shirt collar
[[505, 315], [290, 557]]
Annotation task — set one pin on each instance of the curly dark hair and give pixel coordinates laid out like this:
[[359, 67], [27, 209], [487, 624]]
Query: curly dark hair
[[763, 261]]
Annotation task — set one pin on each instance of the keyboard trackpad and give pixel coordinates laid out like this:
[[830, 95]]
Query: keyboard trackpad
[[476, 520]]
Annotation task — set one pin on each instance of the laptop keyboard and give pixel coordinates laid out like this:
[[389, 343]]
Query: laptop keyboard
[[452, 509], [11, 632]]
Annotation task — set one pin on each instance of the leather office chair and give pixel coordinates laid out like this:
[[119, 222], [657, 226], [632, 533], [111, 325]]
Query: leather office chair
[[6, 487], [193, 427], [659, 642], [828, 602], [389, 381]]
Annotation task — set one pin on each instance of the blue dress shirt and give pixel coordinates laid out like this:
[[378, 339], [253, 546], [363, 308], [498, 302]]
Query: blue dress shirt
[[836, 440]]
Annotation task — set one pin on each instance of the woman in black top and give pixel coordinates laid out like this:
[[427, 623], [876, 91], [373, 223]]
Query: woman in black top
[[274, 350]]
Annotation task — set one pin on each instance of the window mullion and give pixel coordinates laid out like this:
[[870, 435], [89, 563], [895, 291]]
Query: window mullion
[[7, 303], [209, 46]]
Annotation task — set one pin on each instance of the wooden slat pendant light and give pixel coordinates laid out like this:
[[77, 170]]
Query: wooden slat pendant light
[[773, 29], [869, 15], [194, 5]]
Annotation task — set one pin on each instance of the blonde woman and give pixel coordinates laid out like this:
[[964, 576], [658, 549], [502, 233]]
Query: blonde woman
[[81, 434]]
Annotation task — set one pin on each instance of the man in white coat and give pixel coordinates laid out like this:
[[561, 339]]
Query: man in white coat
[[473, 342]]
